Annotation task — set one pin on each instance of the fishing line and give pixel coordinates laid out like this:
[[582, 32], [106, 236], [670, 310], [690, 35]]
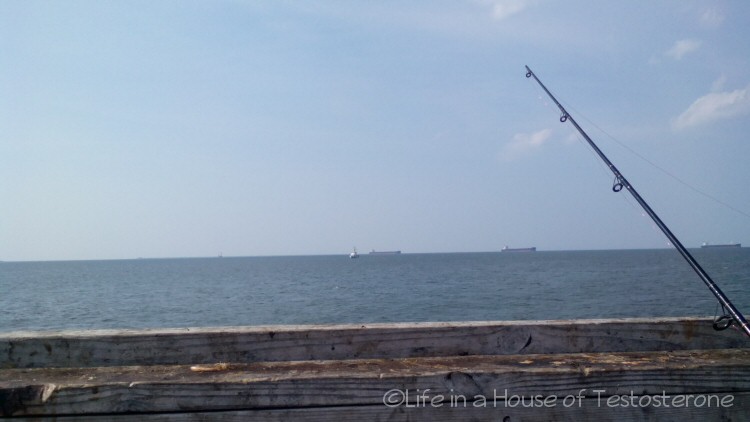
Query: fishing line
[[577, 135], [542, 97], [605, 171], [601, 165], [656, 166], [732, 312]]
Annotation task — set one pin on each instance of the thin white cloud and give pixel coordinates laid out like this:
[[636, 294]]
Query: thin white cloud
[[711, 18], [502, 9], [683, 47], [525, 143], [714, 106], [718, 84]]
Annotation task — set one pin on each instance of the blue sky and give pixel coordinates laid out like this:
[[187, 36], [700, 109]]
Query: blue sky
[[178, 129]]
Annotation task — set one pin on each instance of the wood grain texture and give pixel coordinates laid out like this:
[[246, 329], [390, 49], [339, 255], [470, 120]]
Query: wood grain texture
[[98, 348], [346, 372], [367, 382], [589, 410]]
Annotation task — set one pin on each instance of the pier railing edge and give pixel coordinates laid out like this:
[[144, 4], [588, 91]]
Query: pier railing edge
[[357, 341]]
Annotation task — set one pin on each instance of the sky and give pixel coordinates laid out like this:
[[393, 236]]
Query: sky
[[252, 128]]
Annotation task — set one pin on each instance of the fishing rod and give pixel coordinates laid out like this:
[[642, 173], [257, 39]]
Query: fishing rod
[[620, 182]]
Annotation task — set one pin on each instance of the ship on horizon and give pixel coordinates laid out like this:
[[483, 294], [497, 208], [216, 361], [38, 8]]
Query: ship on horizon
[[507, 249], [707, 245], [374, 252]]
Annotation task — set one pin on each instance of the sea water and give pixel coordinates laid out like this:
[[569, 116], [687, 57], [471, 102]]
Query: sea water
[[203, 292]]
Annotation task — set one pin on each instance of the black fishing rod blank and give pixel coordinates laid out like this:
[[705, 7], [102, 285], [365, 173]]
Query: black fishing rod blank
[[620, 182]]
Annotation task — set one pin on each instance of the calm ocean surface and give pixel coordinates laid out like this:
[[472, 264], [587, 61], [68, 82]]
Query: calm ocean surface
[[149, 293]]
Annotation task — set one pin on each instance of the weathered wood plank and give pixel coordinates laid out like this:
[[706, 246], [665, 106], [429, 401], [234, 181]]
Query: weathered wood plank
[[355, 341], [372, 382], [589, 410]]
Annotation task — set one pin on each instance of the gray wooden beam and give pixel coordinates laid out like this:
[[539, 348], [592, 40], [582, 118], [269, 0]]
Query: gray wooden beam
[[98, 348]]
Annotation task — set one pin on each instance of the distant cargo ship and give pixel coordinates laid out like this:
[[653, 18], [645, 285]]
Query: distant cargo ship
[[374, 252], [507, 249], [725, 245]]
